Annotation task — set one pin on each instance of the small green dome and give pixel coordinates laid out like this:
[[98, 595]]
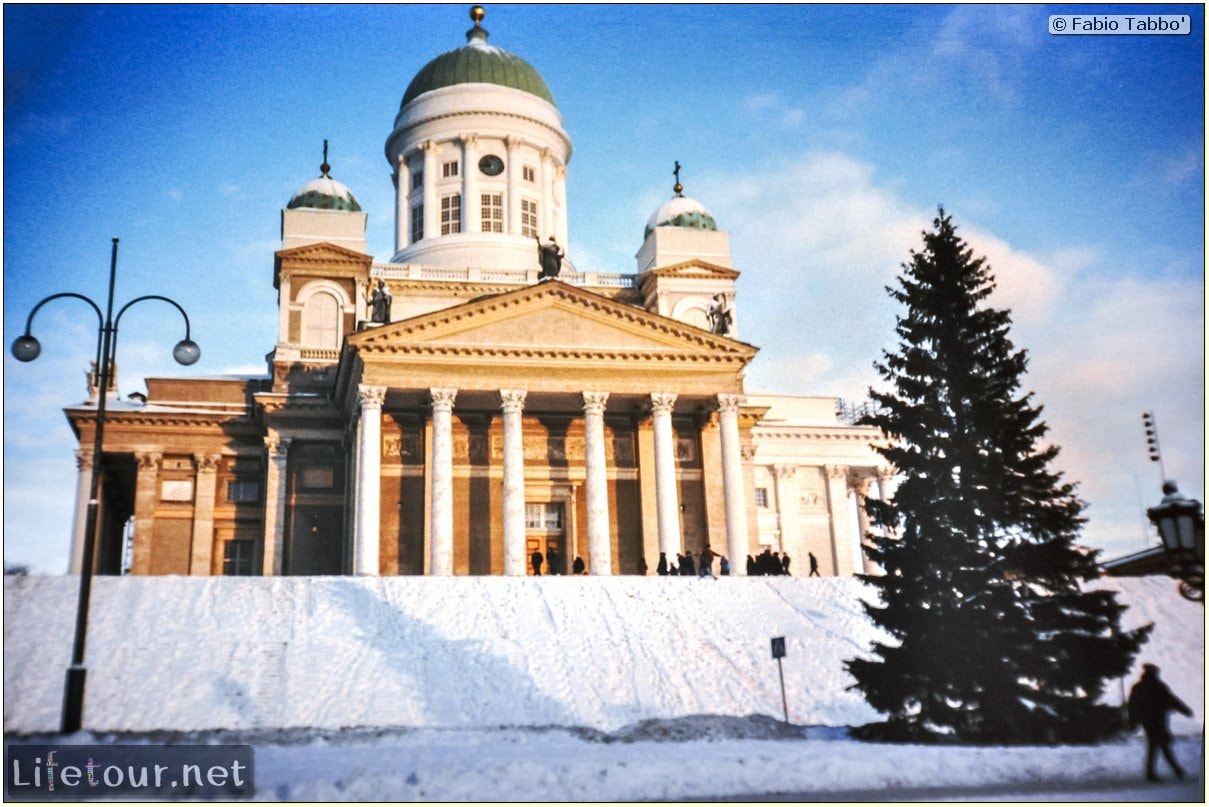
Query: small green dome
[[681, 211], [324, 193], [477, 63]]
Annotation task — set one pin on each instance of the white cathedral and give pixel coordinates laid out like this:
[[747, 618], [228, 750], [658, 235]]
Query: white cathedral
[[476, 399]]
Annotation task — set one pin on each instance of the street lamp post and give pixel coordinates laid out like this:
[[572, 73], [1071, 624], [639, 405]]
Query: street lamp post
[[1181, 525], [26, 348]]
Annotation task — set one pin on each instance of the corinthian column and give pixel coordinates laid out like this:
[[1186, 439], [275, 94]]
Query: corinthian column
[[513, 403], [667, 502], [600, 554], [441, 506], [205, 492], [737, 542], [80, 522], [144, 510], [841, 524], [274, 504], [368, 522]]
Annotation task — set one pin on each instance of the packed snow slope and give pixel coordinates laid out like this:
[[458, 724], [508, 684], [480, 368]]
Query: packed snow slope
[[186, 653]]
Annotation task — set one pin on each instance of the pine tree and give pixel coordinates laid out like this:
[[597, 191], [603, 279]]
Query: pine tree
[[994, 637]]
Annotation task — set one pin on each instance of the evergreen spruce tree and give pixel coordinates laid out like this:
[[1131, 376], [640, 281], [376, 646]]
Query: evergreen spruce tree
[[994, 637]]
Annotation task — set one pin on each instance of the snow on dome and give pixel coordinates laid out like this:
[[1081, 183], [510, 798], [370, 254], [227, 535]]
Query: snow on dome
[[324, 193], [477, 63], [681, 211]]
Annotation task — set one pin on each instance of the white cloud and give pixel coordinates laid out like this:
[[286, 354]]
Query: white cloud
[[819, 237]]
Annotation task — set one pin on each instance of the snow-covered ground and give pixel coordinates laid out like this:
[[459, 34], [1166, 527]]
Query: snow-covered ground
[[533, 689]]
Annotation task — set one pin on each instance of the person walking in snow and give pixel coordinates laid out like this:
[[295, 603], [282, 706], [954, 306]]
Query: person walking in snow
[[785, 562], [1149, 702], [724, 566], [661, 567], [578, 566], [536, 559], [553, 565], [707, 563], [814, 565], [752, 568]]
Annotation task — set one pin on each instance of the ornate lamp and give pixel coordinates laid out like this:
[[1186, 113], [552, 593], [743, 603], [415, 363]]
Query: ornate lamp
[[1181, 524]]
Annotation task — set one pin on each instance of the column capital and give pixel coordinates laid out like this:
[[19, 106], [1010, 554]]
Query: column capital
[[429, 147], [782, 471], [147, 460], [442, 398], [594, 402], [837, 472], [859, 483], [513, 142], [662, 402], [747, 452], [512, 400], [84, 459], [277, 446], [729, 403], [370, 396], [207, 462], [468, 140]]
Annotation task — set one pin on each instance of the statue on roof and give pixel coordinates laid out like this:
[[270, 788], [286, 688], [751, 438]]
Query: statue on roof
[[379, 304], [550, 256], [720, 316]]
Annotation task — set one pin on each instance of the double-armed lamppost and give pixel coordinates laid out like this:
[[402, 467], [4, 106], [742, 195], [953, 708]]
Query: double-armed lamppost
[[26, 348], [1181, 524]]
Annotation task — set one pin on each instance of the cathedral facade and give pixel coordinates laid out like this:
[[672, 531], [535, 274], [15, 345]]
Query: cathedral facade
[[476, 399]]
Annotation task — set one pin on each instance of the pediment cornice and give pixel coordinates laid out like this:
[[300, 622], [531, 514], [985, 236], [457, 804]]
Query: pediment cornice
[[476, 330], [694, 269]]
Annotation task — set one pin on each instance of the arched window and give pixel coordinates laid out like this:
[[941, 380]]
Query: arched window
[[321, 321]]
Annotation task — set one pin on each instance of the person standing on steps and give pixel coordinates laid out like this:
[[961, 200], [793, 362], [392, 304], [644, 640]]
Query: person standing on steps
[[1149, 703]]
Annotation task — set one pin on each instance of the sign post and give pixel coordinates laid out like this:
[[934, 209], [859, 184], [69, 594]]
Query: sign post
[[778, 652]]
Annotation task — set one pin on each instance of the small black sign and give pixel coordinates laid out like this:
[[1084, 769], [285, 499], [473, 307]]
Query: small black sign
[[82, 772], [778, 647]]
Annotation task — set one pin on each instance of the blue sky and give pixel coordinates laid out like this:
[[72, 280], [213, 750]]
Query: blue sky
[[821, 137]]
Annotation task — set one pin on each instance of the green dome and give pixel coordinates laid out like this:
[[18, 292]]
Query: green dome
[[477, 63], [324, 193]]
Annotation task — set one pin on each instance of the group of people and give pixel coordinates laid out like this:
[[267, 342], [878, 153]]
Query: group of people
[[688, 566], [553, 563]]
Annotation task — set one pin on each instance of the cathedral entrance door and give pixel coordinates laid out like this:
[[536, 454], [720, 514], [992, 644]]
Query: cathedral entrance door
[[545, 532]]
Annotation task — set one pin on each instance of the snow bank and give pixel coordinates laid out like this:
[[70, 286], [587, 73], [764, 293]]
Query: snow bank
[[473, 652]]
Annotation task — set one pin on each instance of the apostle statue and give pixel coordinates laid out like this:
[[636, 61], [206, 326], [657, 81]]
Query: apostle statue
[[379, 304], [550, 256], [720, 318]]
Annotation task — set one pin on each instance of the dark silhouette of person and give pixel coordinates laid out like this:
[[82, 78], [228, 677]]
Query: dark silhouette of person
[[687, 567], [536, 559], [661, 567], [706, 564], [814, 565], [578, 566], [775, 567], [553, 562], [752, 568], [551, 258], [785, 562], [642, 567], [765, 561], [1149, 703], [724, 567]]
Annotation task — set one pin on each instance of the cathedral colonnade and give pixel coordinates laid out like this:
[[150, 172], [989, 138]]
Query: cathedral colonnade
[[497, 469]]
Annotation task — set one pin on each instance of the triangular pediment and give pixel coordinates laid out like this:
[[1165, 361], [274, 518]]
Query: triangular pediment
[[550, 318], [322, 256], [695, 269]]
